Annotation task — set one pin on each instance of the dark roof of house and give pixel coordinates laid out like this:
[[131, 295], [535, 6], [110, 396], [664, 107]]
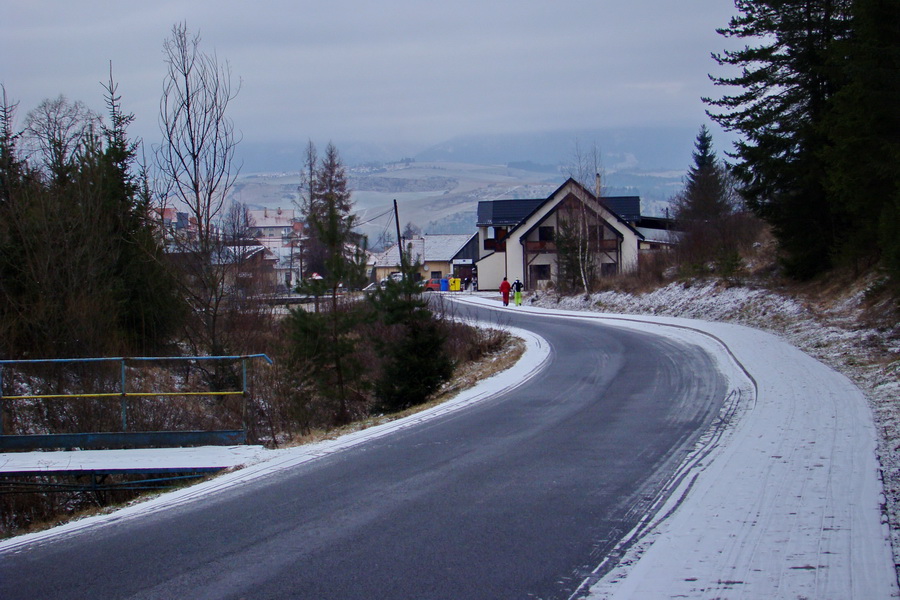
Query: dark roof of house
[[513, 213], [506, 213], [627, 207]]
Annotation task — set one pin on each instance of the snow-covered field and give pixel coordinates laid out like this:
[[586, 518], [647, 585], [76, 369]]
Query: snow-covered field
[[781, 500]]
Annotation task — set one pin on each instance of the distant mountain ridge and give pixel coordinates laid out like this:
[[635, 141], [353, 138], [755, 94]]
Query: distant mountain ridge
[[641, 148], [439, 187], [647, 149]]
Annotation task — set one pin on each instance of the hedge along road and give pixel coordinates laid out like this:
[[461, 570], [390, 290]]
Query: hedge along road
[[520, 495]]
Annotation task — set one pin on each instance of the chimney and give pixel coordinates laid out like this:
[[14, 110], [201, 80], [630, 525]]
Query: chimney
[[597, 185]]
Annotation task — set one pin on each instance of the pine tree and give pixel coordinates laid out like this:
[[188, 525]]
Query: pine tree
[[326, 340], [712, 229], [864, 130], [10, 164], [787, 81], [151, 310], [707, 194], [411, 344]]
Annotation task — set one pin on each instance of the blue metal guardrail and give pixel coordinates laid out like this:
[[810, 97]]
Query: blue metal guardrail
[[126, 438]]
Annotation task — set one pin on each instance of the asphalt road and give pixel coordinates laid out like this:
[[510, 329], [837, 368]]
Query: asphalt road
[[517, 497]]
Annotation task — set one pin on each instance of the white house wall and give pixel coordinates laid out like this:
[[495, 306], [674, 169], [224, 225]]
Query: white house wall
[[491, 270], [493, 267]]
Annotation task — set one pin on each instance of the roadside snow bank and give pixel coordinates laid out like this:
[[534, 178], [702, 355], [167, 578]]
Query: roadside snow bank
[[786, 502], [259, 462], [869, 357]]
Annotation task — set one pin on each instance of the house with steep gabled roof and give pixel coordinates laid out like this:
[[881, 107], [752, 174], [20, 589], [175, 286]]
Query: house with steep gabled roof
[[517, 238]]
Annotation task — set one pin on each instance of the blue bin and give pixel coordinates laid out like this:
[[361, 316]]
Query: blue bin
[[445, 285]]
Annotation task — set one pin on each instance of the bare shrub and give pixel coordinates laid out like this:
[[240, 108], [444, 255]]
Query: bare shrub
[[716, 247]]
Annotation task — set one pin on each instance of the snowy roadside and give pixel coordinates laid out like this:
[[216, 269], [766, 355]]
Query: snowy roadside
[[823, 412], [253, 462], [783, 502]]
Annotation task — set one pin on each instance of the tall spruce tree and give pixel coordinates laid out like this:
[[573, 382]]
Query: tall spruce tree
[[412, 344], [707, 194], [713, 229], [787, 81], [326, 342], [151, 310], [864, 130], [10, 163]]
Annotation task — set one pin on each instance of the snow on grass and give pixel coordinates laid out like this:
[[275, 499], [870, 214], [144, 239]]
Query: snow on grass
[[253, 462], [781, 500], [867, 356]]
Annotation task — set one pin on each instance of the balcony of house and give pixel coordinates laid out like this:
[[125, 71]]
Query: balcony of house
[[540, 247], [609, 244], [495, 245]]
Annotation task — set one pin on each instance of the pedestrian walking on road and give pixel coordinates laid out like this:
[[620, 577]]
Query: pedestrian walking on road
[[504, 291]]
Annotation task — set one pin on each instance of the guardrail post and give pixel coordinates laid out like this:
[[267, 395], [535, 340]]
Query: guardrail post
[[244, 394], [124, 403]]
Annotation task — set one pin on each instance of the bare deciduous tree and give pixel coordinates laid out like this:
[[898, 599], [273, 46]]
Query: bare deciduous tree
[[238, 223], [196, 170], [586, 167], [56, 131], [196, 156], [577, 236]]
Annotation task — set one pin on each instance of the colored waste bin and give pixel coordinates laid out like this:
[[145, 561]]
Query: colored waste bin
[[455, 284], [445, 285]]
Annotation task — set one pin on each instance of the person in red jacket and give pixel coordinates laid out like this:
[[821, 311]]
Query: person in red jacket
[[504, 290]]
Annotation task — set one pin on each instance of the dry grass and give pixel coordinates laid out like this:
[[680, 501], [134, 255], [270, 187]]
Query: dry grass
[[465, 377], [75, 506]]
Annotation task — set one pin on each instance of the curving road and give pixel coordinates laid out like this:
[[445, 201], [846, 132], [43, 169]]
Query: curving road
[[519, 496]]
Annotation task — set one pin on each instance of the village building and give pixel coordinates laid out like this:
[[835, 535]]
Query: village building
[[659, 233], [517, 239], [275, 228], [439, 256]]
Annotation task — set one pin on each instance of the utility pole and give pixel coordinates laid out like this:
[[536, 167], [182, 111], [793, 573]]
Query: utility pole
[[399, 241]]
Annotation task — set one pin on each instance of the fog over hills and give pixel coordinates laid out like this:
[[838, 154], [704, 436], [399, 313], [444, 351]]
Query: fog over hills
[[438, 187], [647, 148]]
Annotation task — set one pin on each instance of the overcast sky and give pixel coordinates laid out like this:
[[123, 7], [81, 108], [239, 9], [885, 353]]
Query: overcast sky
[[389, 70]]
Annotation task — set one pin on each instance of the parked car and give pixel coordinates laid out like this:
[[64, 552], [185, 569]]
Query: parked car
[[432, 285], [398, 277]]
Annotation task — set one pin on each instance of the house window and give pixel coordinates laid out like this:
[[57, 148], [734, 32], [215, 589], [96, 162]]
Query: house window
[[437, 274], [545, 234], [498, 242], [539, 273]]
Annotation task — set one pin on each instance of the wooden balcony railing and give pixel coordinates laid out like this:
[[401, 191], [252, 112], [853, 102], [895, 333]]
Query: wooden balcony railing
[[540, 246]]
